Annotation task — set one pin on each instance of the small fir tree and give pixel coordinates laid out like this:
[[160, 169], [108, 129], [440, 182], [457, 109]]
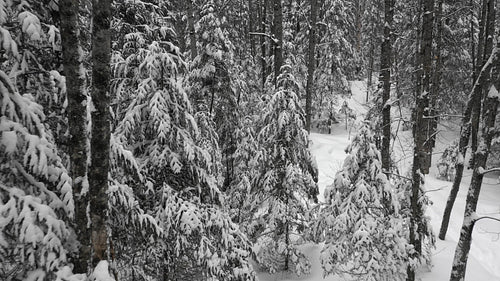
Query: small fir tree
[[286, 182], [365, 233]]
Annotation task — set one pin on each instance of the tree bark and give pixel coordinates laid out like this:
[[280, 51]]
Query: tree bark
[[419, 126], [425, 89], [192, 33], [263, 17], [311, 63], [77, 109], [385, 79], [490, 106], [469, 124], [278, 37], [98, 172], [479, 64]]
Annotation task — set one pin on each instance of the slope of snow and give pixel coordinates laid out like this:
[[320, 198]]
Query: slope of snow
[[484, 258]]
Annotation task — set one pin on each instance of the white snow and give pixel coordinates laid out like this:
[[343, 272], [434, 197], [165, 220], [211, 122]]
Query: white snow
[[484, 258], [101, 272], [9, 140]]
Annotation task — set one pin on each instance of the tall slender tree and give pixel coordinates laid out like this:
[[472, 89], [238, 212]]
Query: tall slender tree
[[77, 113], [100, 138], [311, 65], [470, 121], [385, 79], [490, 106], [420, 167]]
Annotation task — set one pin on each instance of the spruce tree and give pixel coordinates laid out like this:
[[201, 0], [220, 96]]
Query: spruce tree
[[286, 183], [365, 234]]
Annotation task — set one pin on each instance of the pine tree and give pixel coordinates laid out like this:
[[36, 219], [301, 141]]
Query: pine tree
[[285, 183], [365, 233]]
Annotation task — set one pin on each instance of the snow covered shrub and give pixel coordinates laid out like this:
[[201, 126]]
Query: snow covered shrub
[[447, 162], [285, 184], [365, 233]]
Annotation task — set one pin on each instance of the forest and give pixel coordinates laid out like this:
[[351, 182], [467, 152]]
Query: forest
[[248, 140]]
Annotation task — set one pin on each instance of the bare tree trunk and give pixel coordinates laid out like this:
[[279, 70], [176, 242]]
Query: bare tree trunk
[[251, 27], [436, 81], [425, 89], [420, 154], [479, 64], [99, 167], [370, 72], [490, 106], [311, 64], [77, 111], [263, 17], [473, 103], [385, 79], [278, 37], [192, 33]]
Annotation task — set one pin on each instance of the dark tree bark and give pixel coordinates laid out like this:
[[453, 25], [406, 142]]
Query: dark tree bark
[[77, 111], [490, 106], [263, 12], [417, 227], [99, 167], [311, 63], [470, 122], [481, 49], [192, 33], [436, 81], [425, 88], [385, 79], [278, 38]]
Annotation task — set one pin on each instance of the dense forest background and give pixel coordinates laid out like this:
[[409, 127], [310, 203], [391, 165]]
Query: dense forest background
[[169, 140]]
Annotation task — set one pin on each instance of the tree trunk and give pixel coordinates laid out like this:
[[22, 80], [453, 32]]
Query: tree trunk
[[490, 106], [311, 64], [385, 80], [420, 165], [99, 167], [479, 64], [474, 103], [436, 81], [192, 33], [263, 17], [251, 27], [77, 111], [278, 37], [425, 90], [370, 72]]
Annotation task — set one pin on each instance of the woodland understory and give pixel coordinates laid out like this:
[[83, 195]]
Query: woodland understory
[[170, 139]]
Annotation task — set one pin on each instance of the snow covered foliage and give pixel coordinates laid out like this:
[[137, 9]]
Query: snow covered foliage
[[210, 69], [195, 237], [420, 255], [36, 201], [286, 182], [447, 162], [365, 235]]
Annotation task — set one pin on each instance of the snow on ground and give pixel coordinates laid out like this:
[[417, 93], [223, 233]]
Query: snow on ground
[[484, 258]]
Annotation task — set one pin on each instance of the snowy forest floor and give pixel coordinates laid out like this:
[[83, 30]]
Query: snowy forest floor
[[484, 258]]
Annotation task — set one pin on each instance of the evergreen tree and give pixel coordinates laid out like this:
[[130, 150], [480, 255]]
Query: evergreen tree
[[199, 240], [365, 233], [286, 182]]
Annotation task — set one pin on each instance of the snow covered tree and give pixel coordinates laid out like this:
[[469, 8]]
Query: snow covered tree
[[286, 182], [36, 200], [199, 241], [365, 233]]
